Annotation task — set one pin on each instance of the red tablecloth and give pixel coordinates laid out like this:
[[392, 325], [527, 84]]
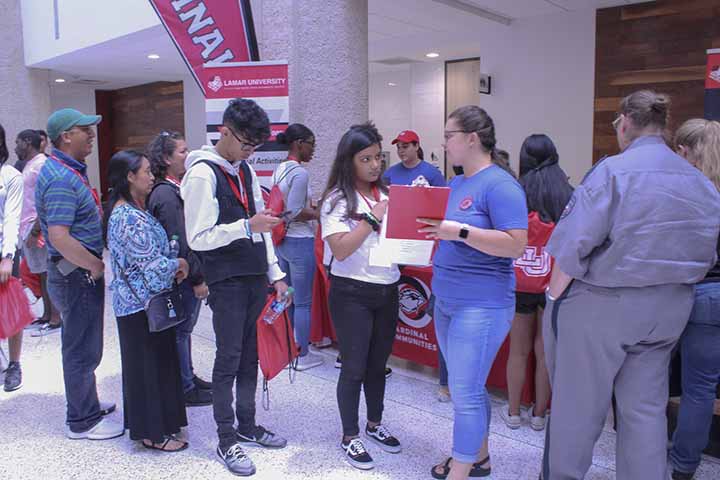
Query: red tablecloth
[[415, 336]]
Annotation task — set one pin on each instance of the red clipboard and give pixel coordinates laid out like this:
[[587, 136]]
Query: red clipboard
[[407, 204]]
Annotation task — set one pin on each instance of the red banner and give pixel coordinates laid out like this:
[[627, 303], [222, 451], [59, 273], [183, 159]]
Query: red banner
[[415, 338], [209, 32]]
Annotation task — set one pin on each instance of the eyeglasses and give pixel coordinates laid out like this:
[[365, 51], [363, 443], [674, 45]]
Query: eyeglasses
[[616, 123], [447, 135], [312, 144], [245, 146]]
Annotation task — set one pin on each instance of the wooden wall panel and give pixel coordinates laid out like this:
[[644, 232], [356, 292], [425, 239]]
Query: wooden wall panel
[[658, 45], [139, 113]]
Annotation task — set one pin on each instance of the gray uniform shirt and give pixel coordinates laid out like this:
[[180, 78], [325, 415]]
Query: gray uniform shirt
[[641, 218]]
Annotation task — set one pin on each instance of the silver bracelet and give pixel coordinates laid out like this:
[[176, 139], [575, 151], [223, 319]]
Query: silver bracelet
[[549, 297]]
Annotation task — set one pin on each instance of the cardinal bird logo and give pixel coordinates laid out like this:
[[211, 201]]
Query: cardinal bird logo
[[215, 84], [715, 73], [414, 296]]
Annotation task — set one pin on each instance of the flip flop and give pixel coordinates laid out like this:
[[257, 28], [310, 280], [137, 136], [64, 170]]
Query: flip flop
[[163, 446], [475, 472]]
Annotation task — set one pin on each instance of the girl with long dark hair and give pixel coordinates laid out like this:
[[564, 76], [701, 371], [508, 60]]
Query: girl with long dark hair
[[152, 390], [363, 298], [547, 191], [167, 153]]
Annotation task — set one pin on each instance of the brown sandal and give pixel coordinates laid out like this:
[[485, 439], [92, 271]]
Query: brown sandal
[[163, 446]]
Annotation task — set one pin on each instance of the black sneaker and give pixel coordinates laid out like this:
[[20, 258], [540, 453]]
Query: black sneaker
[[13, 377], [388, 372], [261, 437], [236, 461], [202, 384], [384, 438], [338, 362], [356, 455], [198, 398], [682, 475]]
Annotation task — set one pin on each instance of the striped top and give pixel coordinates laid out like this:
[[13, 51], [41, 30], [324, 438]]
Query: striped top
[[63, 199]]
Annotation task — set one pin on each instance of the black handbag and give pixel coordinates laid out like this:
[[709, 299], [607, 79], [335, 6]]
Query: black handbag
[[164, 310]]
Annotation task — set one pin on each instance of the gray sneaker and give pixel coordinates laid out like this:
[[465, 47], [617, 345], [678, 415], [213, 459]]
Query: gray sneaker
[[13, 377], [236, 461], [105, 429], [47, 329], [310, 360], [261, 437]]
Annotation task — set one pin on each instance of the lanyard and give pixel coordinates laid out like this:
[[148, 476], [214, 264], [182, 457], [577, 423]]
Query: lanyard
[[172, 180], [375, 194], [85, 182], [240, 195]]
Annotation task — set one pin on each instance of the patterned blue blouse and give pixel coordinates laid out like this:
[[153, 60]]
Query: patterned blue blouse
[[139, 245]]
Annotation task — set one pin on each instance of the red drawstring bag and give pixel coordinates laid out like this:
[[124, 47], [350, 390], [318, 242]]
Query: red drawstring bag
[[276, 203], [29, 279], [15, 311], [276, 348]]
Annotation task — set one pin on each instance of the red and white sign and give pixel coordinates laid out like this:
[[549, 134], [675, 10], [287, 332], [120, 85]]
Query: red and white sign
[[712, 85], [712, 79], [209, 32], [415, 338], [266, 83]]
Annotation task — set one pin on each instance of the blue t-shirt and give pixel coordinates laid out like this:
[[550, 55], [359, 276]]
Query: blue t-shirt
[[490, 199], [63, 199], [401, 175]]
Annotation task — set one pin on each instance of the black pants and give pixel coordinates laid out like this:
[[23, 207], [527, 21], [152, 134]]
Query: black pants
[[153, 399], [236, 304], [365, 316]]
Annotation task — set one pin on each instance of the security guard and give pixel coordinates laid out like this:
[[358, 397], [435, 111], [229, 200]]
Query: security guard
[[639, 231]]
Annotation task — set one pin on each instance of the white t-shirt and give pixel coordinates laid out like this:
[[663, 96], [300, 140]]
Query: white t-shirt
[[356, 266]]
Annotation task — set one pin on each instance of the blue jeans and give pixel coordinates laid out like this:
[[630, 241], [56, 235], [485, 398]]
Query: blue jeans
[[183, 332], [81, 305], [469, 339], [700, 353], [297, 260]]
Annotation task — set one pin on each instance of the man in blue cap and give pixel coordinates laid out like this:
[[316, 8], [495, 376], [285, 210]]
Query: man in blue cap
[[71, 220]]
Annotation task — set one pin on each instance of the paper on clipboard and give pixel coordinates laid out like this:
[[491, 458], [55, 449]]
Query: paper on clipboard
[[391, 251]]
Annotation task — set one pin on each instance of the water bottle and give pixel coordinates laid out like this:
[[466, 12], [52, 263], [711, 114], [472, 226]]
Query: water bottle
[[277, 307], [174, 246]]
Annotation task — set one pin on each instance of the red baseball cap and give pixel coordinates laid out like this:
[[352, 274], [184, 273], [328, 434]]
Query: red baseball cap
[[406, 136]]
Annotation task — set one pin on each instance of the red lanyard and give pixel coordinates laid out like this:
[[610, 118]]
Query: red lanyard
[[241, 196], [172, 180], [375, 194], [82, 178]]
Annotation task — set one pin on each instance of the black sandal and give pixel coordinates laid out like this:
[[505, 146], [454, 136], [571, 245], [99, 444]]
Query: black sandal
[[163, 446], [476, 472]]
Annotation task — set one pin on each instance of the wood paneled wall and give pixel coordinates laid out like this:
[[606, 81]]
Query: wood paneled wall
[[133, 116], [658, 45]]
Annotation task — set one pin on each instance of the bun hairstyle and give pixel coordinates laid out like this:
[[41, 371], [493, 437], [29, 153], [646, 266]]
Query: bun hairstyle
[[473, 119], [646, 108], [702, 139], [295, 132]]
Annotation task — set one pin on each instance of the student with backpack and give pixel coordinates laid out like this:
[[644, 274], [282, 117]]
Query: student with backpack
[[295, 237]]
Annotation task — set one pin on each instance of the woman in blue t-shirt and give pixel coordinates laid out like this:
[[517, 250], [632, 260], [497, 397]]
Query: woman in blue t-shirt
[[485, 228]]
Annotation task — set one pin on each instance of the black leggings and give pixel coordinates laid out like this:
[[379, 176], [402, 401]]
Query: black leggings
[[365, 316]]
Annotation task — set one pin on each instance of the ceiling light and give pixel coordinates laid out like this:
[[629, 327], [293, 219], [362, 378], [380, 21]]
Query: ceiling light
[[153, 56], [432, 55], [59, 80], [391, 84]]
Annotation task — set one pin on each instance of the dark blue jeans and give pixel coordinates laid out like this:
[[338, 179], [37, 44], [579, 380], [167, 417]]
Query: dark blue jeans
[[183, 333], [81, 305], [700, 353], [236, 304]]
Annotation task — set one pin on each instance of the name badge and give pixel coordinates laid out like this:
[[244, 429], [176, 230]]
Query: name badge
[[257, 237]]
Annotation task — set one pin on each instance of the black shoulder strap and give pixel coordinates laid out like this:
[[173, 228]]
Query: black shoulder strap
[[285, 174]]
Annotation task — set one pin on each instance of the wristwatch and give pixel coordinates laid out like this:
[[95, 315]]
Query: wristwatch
[[464, 231], [9, 256]]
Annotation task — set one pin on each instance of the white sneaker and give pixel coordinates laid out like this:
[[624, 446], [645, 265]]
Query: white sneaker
[[536, 423], [104, 430], [513, 422], [308, 361]]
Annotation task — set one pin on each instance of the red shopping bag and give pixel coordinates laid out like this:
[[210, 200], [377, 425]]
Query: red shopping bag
[[276, 348], [15, 311]]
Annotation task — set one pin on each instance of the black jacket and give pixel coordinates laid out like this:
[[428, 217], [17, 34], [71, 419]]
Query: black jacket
[[166, 204]]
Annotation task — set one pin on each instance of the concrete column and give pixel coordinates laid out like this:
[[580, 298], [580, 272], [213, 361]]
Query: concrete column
[[328, 73], [24, 92]]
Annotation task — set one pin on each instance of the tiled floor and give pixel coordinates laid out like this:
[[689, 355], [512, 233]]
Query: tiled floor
[[33, 445]]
